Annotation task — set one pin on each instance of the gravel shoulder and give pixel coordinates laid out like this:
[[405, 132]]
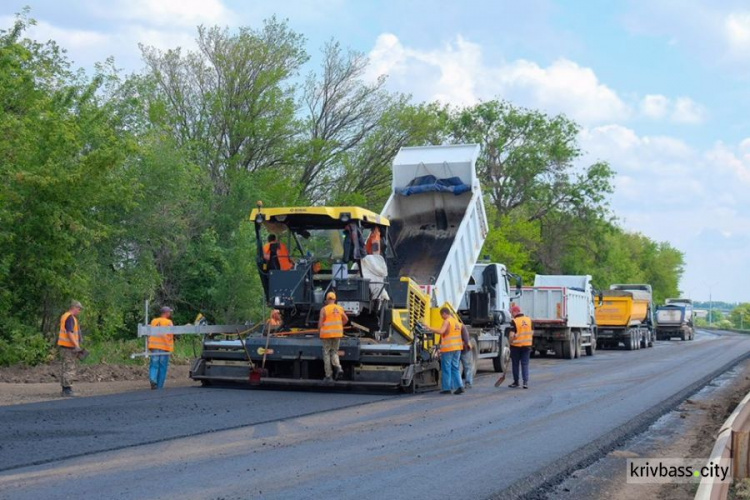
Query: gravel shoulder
[[23, 384]]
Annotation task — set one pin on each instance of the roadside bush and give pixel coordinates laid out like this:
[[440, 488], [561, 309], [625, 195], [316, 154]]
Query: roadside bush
[[20, 344], [724, 324]]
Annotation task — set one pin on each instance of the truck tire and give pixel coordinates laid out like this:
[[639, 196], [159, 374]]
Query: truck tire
[[577, 344], [569, 347], [630, 341], [501, 362], [683, 336], [591, 349], [651, 339]]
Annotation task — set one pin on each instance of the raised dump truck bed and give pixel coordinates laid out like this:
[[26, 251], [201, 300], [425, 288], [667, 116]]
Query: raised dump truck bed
[[438, 221]]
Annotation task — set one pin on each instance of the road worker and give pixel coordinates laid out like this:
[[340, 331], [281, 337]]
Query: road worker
[[331, 326], [69, 342], [276, 254], [160, 348], [275, 321], [521, 339], [373, 242], [451, 346], [467, 358]]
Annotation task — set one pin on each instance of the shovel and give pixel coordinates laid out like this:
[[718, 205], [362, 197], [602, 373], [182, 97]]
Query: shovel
[[500, 380], [258, 373]]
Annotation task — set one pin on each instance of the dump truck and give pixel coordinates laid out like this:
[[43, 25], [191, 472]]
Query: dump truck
[[624, 316], [438, 227], [561, 309], [485, 310], [675, 319], [432, 231]]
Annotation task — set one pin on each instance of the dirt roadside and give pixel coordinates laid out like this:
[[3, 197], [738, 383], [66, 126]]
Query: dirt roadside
[[689, 431], [23, 384]]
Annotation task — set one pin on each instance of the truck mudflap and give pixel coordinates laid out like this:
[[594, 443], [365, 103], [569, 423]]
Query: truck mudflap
[[298, 362]]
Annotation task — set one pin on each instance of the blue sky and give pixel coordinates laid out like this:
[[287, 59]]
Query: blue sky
[[659, 87]]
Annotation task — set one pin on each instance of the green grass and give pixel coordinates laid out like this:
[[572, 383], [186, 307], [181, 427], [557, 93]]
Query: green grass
[[117, 352]]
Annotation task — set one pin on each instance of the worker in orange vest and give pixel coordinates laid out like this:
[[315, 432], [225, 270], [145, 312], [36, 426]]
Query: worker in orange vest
[[521, 339], [373, 242], [69, 343], [276, 254], [331, 326], [275, 321], [451, 346], [160, 348]]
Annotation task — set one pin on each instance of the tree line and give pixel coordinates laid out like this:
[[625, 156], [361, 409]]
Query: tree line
[[118, 188]]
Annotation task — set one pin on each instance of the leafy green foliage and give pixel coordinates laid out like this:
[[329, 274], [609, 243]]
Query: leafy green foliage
[[740, 316]]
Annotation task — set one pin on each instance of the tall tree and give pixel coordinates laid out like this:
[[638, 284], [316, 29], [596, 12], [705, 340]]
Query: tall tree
[[231, 103]]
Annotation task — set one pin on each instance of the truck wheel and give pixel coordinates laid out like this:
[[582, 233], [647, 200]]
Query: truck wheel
[[683, 336], [591, 349], [501, 362], [650, 339], [569, 348], [578, 341], [630, 342]]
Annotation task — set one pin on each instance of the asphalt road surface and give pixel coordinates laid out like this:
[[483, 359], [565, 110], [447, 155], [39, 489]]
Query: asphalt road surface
[[234, 443]]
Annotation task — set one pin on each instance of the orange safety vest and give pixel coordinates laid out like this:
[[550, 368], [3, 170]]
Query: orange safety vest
[[524, 336], [65, 339], [451, 340], [282, 253], [163, 342], [371, 241], [333, 322], [273, 323]]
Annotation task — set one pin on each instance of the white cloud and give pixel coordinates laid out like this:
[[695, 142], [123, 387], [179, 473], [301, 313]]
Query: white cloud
[[687, 111], [71, 39], [456, 73], [185, 13], [694, 199], [737, 31], [654, 106], [679, 110], [723, 158]]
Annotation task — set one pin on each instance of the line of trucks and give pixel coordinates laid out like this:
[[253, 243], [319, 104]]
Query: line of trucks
[[432, 228]]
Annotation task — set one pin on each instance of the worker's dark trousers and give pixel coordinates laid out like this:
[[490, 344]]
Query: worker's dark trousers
[[520, 355]]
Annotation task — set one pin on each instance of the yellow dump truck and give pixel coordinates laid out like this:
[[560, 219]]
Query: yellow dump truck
[[624, 315]]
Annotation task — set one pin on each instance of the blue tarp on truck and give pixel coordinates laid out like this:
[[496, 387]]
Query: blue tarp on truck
[[431, 184]]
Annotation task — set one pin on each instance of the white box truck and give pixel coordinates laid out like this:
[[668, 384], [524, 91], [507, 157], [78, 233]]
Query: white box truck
[[561, 309]]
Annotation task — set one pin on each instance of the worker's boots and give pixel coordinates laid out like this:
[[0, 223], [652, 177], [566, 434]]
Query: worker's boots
[[328, 381], [67, 392], [339, 373]]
